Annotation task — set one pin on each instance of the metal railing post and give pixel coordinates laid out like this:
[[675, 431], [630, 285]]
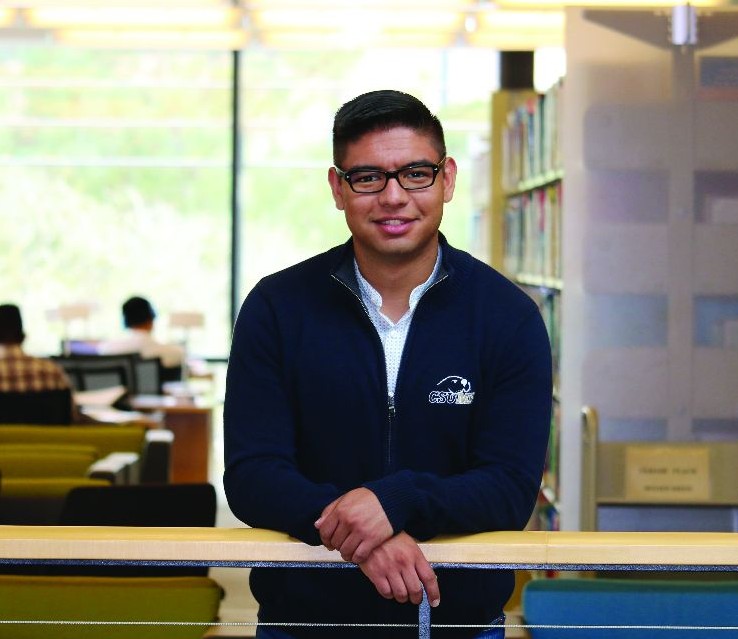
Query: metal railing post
[[424, 620]]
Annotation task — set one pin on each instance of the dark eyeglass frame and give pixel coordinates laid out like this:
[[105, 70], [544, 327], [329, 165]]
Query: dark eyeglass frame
[[388, 175]]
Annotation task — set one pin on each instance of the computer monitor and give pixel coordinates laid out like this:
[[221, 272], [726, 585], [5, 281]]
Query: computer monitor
[[80, 347]]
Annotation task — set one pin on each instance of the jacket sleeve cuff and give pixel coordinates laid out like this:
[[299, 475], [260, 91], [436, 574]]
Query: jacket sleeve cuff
[[397, 497]]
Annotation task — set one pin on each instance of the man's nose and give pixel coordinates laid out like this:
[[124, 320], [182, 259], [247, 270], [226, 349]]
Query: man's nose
[[393, 192]]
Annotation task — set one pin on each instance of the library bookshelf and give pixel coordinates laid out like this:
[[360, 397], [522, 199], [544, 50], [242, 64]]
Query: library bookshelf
[[527, 182], [526, 189], [621, 219], [636, 267]]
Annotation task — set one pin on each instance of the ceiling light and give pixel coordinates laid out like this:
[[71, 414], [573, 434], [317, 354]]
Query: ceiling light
[[215, 39], [280, 17], [298, 39], [7, 17], [119, 17], [518, 30]]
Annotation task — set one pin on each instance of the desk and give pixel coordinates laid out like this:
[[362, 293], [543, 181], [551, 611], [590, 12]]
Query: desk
[[191, 422], [108, 415]]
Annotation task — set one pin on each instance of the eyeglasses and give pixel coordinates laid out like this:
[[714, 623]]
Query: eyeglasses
[[410, 178]]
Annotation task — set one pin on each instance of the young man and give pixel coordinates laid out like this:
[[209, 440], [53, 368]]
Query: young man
[[389, 390]]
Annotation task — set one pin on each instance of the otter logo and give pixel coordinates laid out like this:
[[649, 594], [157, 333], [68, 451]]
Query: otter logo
[[452, 390]]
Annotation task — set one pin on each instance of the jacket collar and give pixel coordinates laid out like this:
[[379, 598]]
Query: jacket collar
[[343, 270]]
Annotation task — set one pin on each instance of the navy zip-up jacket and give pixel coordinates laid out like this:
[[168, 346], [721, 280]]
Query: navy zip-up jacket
[[307, 419]]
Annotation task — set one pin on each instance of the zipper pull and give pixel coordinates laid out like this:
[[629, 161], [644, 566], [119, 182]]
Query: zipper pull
[[391, 404]]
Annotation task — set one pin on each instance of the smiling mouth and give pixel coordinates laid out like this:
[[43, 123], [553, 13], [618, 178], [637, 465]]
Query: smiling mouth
[[395, 227]]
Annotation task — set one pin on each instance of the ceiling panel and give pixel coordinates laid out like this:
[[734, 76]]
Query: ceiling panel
[[313, 24]]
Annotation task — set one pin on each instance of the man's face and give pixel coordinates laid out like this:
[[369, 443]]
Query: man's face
[[394, 224]]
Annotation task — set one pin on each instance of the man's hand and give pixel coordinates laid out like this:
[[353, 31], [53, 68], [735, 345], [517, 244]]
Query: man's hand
[[399, 570], [355, 524]]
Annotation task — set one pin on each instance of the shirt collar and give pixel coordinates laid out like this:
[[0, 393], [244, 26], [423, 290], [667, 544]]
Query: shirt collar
[[371, 296]]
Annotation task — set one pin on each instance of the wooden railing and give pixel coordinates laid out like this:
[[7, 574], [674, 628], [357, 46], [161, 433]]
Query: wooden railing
[[247, 547]]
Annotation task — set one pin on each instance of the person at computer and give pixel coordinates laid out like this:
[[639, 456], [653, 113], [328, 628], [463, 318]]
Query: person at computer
[[138, 318], [23, 373]]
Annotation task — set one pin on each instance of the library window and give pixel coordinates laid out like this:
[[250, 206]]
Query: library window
[[116, 173]]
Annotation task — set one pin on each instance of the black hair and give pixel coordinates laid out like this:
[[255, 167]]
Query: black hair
[[11, 325], [136, 311], [383, 110]]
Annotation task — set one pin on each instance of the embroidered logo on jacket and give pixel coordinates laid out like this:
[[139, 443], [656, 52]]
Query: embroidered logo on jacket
[[452, 390]]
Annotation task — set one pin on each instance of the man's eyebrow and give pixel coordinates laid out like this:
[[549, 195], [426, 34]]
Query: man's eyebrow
[[372, 167], [364, 167]]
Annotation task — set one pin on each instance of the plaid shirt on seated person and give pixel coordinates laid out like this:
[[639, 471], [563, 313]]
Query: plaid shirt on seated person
[[22, 373]]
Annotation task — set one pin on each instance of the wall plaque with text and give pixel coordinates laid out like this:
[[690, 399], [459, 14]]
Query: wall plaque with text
[[667, 473]]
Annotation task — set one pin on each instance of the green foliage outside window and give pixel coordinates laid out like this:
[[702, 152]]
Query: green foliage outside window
[[115, 175]]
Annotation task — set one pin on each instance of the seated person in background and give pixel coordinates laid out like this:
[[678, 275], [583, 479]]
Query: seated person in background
[[21, 373], [138, 319]]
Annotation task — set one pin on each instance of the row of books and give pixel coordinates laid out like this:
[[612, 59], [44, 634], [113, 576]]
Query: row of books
[[551, 313], [531, 142], [533, 232], [549, 303]]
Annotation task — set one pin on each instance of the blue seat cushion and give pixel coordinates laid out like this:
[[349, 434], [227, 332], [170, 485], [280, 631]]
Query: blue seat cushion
[[631, 602]]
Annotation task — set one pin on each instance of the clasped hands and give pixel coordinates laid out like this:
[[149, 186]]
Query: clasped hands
[[356, 525]]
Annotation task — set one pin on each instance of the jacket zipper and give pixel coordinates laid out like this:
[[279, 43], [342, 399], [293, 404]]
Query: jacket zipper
[[390, 401], [391, 409], [390, 427]]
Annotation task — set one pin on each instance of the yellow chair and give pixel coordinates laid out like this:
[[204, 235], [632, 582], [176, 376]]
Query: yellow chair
[[153, 446], [38, 476], [47, 460], [148, 601]]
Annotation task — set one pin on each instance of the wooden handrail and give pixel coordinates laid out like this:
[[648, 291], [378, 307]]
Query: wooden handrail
[[248, 546]]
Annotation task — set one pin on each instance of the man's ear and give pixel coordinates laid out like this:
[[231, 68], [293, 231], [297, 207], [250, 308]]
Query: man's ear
[[336, 188], [449, 179]]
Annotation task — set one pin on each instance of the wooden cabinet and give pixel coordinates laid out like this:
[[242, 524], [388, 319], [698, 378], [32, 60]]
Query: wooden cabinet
[[191, 422]]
